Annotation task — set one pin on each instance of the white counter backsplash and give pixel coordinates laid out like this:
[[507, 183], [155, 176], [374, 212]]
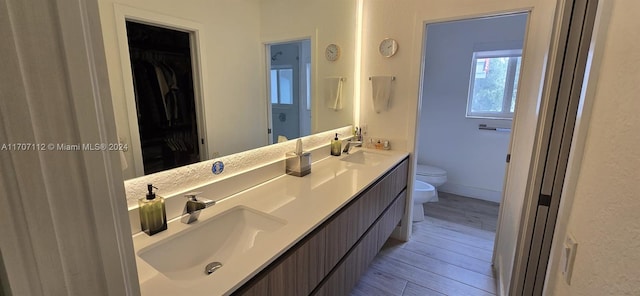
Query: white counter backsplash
[[241, 171]]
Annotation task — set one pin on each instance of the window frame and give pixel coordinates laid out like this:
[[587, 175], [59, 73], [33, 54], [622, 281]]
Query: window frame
[[510, 84]]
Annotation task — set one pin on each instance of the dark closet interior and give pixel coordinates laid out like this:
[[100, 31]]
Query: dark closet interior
[[163, 85]]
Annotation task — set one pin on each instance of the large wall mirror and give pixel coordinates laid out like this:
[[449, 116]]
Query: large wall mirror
[[195, 80]]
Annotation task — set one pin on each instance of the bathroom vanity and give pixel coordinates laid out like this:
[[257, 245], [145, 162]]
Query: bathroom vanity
[[313, 235]]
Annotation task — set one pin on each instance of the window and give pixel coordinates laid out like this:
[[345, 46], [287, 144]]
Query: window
[[282, 86], [494, 84]]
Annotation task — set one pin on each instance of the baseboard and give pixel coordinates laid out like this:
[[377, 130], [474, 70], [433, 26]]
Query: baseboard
[[473, 192]]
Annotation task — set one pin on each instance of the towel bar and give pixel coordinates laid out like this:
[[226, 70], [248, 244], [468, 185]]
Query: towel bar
[[492, 128], [392, 78]]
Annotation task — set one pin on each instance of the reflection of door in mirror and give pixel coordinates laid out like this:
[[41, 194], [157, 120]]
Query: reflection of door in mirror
[[164, 96], [290, 89]]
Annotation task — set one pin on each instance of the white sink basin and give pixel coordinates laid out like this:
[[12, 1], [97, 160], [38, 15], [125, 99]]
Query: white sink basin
[[364, 157], [223, 238]]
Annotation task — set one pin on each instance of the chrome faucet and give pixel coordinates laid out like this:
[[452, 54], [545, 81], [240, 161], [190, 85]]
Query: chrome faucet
[[350, 144], [193, 207]]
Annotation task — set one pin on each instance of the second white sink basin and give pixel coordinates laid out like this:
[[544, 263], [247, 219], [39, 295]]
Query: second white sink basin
[[364, 157], [222, 238]]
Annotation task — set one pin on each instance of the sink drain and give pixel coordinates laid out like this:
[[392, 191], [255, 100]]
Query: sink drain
[[211, 267]]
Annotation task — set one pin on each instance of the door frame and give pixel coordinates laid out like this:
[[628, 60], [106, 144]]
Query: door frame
[[125, 13], [49, 201], [522, 135], [267, 70], [515, 115], [570, 51], [592, 74]]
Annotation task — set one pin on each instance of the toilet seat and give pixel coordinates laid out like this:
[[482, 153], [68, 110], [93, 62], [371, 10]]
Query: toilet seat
[[422, 192]]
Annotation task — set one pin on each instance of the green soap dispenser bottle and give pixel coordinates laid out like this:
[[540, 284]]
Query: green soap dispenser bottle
[[336, 146], [153, 216]]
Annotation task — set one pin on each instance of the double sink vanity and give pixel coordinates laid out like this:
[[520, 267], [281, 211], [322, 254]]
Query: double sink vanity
[[311, 235]]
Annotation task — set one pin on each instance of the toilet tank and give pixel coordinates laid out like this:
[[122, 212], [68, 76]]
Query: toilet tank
[[427, 170], [430, 174]]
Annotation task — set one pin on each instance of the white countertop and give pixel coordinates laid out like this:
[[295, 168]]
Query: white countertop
[[303, 202]]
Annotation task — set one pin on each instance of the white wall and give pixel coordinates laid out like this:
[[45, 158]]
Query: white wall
[[404, 20], [601, 208], [474, 159]]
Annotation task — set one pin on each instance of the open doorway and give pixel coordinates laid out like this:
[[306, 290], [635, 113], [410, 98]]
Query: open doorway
[[469, 91], [470, 86], [289, 81], [162, 73], [468, 98], [163, 95]]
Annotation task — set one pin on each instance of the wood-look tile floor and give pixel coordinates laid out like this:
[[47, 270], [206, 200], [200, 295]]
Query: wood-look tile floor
[[449, 253]]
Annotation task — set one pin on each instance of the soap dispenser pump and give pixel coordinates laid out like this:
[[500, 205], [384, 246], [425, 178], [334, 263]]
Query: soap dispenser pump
[[153, 216], [336, 146]]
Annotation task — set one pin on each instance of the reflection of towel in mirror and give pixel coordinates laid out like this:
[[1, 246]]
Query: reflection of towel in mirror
[[381, 92], [333, 95]]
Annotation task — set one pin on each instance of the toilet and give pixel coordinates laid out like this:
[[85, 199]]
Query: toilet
[[428, 178], [422, 192], [432, 175]]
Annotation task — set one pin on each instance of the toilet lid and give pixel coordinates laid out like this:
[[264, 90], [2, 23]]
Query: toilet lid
[[427, 170]]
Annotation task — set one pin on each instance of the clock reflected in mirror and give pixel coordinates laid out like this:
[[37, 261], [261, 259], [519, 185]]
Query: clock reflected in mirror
[[388, 47], [332, 53]]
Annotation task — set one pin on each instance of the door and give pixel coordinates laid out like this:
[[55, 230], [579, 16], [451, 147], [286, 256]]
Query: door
[[563, 87]]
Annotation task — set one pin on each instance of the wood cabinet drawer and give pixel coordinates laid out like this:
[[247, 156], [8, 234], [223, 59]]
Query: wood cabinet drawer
[[356, 262], [295, 273]]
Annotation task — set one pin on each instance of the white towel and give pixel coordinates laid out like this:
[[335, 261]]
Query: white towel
[[333, 95], [381, 92]]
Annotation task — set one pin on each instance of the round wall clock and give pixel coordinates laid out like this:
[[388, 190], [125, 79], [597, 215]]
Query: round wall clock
[[388, 47], [332, 53]]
